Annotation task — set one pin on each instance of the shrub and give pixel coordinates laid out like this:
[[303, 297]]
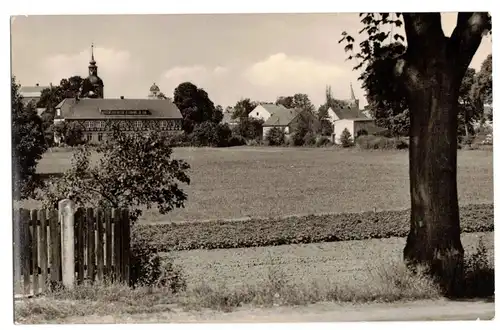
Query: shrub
[[210, 134], [322, 141], [236, 140], [380, 142], [254, 142], [361, 132], [147, 268], [346, 138], [179, 139], [249, 128], [309, 139], [275, 136], [298, 230]]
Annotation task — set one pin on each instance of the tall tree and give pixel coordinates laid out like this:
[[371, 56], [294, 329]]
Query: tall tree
[[194, 104], [430, 73], [243, 107], [28, 144], [483, 89], [299, 101]]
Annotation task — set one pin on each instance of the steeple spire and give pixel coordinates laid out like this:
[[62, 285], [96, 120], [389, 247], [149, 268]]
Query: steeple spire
[[92, 60], [353, 97]]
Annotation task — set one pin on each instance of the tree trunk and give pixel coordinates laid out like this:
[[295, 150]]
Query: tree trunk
[[434, 238]]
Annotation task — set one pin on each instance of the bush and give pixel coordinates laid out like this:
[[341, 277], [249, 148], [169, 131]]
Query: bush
[[380, 142], [361, 132], [236, 140], [346, 138], [275, 136], [249, 128], [147, 268], [322, 141], [309, 139], [210, 134], [297, 230], [179, 140], [254, 142]]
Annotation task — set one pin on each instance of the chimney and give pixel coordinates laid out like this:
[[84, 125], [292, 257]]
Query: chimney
[[122, 97]]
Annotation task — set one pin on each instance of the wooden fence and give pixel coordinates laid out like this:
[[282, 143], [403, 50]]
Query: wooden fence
[[101, 248]]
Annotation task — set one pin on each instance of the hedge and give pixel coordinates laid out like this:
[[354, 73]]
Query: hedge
[[293, 230]]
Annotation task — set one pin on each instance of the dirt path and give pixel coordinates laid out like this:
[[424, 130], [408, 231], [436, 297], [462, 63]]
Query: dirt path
[[323, 312]]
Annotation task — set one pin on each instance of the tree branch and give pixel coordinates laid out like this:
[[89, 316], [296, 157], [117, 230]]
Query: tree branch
[[423, 31], [467, 36]]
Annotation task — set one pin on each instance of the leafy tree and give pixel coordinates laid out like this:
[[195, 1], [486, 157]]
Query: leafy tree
[[218, 114], [299, 101], [286, 101], [242, 108], [134, 170], [210, 134], [249, 128], [275, 136], [28, 144], [346, 138], [429, 74], [483, 88], [195, 105], [71, 133], [305, 123], [323, 116]]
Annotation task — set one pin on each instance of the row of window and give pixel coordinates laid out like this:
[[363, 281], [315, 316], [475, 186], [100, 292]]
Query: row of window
[[125, 112], [137, 124]]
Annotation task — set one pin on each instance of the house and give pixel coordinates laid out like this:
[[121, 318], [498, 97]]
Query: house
[[227, 118], [97, 115], [265, 110], [354, 125], [32, 94], [281, 117], [346, 109]]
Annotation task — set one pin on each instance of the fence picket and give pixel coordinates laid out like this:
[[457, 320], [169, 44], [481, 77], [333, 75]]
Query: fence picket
[[109, 246], [117, 244], [55, 247], [26, 249], [34, 249], [90, 245], [16, 226], [99, 245], [79, 238], [125, 245], [42, 216]]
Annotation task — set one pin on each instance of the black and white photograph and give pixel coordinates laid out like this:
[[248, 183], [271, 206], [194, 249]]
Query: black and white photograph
[[265, 167]]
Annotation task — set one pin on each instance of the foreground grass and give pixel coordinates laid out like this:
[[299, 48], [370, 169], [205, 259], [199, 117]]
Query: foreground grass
[[270, 182], [393, 282], [390, 281]]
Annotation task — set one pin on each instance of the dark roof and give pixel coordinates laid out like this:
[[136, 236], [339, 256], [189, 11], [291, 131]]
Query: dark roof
[[347, 112], [91, 108], [280, 116], [273, 108]]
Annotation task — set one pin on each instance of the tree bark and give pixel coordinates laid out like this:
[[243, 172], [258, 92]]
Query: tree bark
[[434, 238]]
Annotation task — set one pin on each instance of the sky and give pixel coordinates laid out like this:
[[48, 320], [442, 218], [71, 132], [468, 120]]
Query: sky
[[231, 56]]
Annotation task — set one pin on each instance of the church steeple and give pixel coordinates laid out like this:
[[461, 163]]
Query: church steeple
[[93, 78], [353, 97]]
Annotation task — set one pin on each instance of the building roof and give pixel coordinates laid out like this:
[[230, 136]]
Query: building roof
[[348, 112], [93, 108], [273, 108], [280, 116], [32, 91], [228, 118]]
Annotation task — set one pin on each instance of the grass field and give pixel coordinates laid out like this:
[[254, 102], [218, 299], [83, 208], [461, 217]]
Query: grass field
[[267, 182], [343, 263]]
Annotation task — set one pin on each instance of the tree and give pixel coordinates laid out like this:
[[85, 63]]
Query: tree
[[242, 108], [218, 114], [346, 138], [483, 88], [70, 133], [299, 101], [28, 144], [194, 104], [249, 128], [134, 170], [275, 136], [429, 73]]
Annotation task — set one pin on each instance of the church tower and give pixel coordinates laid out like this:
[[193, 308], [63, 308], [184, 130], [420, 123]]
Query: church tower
[[353, 102], [97, 90], [154, 92]]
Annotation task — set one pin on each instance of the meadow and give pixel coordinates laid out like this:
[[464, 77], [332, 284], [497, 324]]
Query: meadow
[[232, 183]]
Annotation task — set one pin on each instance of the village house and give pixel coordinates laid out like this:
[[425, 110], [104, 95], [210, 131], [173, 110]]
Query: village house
[[97, 115]]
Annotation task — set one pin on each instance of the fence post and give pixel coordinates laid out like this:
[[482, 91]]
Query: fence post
[[67, 219]]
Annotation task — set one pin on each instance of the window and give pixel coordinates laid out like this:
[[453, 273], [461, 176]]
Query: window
[[99, 137], [138, 124], [58, 112], [89, 137], [163, 124], [257, 114]]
